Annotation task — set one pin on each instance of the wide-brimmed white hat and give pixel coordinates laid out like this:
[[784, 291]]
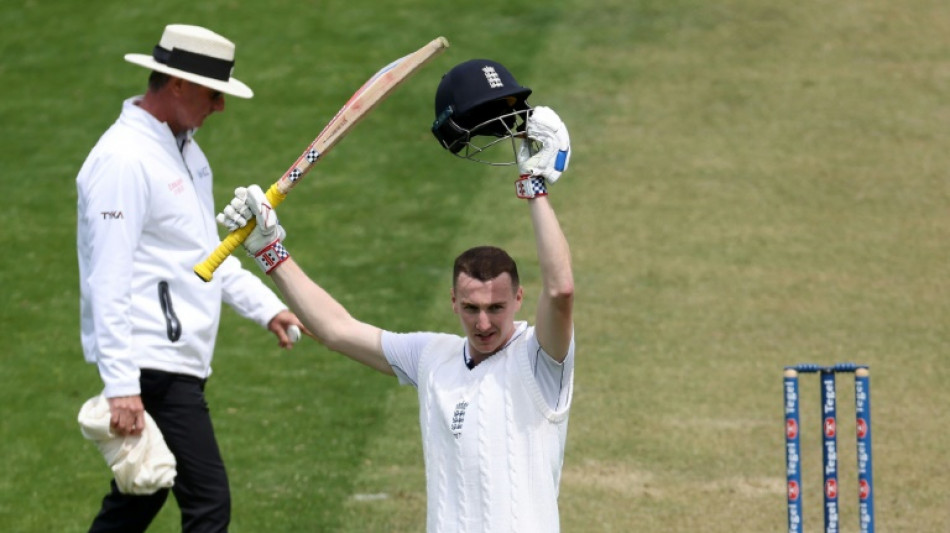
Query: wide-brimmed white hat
[[195, 54]]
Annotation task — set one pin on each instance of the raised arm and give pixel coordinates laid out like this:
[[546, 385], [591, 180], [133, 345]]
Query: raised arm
[[325, 319], [539, 169], [554, 321]]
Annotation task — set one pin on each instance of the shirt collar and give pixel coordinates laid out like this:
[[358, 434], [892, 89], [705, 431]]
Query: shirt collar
[[520, 327], [146, 121]]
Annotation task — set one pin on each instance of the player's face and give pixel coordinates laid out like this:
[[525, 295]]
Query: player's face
[[487, 311]]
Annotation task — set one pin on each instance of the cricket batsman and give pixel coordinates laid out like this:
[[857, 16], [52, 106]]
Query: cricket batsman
[[494, 400]]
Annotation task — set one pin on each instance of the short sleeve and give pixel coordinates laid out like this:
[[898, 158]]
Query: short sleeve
[[403, 350], [553, 378]]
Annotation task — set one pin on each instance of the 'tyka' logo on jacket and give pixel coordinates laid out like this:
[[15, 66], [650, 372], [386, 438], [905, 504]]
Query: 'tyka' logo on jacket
[[112, 215]]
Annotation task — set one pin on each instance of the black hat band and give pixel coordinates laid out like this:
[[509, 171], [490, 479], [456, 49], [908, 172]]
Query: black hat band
[[200, 64]]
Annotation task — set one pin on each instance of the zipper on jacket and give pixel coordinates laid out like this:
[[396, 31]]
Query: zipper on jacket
[[172, 325], [212, 230]]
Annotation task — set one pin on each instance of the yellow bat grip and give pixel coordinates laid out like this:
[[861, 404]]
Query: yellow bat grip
[[206, 268]]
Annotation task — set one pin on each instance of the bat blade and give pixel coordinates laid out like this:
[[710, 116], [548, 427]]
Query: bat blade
[[365, 99]]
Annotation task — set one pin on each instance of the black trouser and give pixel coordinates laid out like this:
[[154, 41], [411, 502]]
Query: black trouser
[[177, 404]]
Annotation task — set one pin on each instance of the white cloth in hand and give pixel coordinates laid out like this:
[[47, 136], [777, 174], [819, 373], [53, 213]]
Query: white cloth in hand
[[142, 464], [545, 127]]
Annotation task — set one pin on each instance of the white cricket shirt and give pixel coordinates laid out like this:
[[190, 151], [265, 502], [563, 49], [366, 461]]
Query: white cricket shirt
[[493, 436]]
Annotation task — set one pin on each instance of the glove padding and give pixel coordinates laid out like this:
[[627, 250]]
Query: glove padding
[[264, 242], [546, 128]]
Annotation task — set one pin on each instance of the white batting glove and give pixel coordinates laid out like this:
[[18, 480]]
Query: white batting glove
[[264, 242], [236, 214], [552, 158]]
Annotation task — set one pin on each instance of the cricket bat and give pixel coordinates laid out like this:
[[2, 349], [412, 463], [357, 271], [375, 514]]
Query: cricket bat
[[364, 100]]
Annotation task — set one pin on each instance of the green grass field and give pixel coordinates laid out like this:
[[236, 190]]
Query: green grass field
[[754, 184]]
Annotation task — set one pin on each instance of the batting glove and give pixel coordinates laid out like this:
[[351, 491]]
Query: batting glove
[[264, 242], [545, 128]]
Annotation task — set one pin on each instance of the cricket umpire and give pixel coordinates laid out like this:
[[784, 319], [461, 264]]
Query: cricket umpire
[[145, 217]]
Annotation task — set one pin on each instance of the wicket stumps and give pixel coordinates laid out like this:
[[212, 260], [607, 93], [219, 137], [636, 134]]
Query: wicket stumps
[[829, 429]]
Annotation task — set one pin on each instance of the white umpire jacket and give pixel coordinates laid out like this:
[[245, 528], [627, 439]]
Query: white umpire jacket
[[145, 219]]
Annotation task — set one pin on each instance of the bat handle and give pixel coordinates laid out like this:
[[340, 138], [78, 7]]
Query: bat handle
[[205, 269]]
